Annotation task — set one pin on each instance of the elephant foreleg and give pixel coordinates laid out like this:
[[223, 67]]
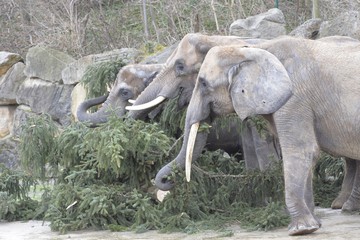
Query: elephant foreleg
[[249, 152], [300, 151], [265, 148], [298, 192]]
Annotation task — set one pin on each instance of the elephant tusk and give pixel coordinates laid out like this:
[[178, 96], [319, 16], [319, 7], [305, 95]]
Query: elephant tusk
[[132, 101], [190, 149], [160, 195], [147, 105]]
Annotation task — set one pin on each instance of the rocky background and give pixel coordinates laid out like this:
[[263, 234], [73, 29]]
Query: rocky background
[[47, 80]]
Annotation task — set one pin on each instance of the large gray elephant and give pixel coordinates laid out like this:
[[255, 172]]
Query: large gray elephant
[[352, 167], [308, 90], [178, 77], [130, 82]]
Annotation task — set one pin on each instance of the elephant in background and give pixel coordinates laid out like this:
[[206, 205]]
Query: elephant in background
[[178, 77], [308, 90], [352, 167], [130, 82]]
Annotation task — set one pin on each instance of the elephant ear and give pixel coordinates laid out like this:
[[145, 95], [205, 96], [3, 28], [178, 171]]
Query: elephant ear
[[150, 78], [259, 84]]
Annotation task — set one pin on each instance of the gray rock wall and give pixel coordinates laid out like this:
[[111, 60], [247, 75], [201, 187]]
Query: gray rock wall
[[43, 83]]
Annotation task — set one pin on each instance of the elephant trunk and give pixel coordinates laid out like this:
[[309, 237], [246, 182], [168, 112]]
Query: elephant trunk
[[161, 179], [99, 116]]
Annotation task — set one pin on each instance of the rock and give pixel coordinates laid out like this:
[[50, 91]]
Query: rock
[[266, 25], [6, 120], [346, 24], [74, 71], [46, 63], [46, 97], [8, 59], [21, 115], [10, 83], [9, 153], [78, 95], [309, 29]]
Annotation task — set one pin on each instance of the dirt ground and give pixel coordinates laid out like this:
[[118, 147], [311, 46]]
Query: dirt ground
[[335, 225]]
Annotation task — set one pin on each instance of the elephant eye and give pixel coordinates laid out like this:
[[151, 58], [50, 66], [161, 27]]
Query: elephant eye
[[202, 81], [125, 93], [179, 67]]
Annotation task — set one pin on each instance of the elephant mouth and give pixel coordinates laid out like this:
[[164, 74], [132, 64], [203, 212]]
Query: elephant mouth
[[164, 180]]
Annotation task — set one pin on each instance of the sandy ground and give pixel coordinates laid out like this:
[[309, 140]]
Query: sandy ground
[[336, 225]]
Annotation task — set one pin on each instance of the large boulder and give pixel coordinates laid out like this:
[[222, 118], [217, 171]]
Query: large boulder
[[309, 29], [6, 120], [78, 95], [266, 25], [46, 97], [46, 63], [8, 59], [346, 24], [9, 153], [74, 71], [21, 116], [9, 147], [10, 83]]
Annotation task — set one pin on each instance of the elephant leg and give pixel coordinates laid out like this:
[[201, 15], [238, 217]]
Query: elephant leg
[[299, 193], [248, 146], [300, 151], [353, 202], [265, 148], [347, 185]]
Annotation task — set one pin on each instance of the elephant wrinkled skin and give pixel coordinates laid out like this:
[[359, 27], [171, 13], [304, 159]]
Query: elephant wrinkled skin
[[308, 90]]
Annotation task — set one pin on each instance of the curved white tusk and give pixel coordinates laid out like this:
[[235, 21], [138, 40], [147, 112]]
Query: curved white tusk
[[160, 195], [190, 149], [132, 101], [147, 105]]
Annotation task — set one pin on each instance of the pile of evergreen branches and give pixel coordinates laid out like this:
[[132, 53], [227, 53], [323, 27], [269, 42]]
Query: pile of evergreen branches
[[15, 203], [103, 180]]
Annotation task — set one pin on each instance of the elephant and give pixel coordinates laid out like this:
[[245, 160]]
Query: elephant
[[352, 167], [179, 75], [131, 80], [308, 91]]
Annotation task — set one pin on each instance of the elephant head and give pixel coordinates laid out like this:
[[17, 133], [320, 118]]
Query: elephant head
[[219, 91], [130, 82], [180, 71], [248, 81]]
